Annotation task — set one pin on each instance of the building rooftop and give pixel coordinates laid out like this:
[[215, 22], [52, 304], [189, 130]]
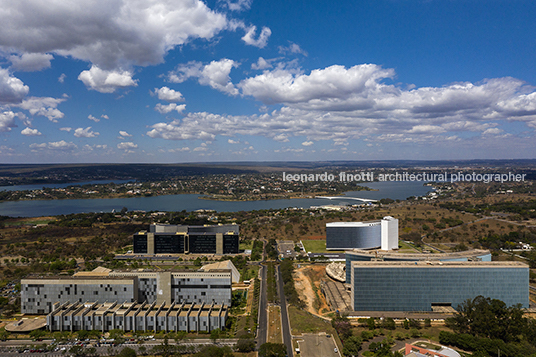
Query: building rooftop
[[419, 256], [427, 264], [353, 224]]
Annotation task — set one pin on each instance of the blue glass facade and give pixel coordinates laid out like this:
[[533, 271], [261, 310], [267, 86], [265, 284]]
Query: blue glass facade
[[479, 255], [351, 237], [382, 286]]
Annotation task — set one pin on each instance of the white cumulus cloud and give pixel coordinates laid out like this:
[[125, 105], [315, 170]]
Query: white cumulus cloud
[[127, 146], [124, 134], [85, 133], [107, 81], [292, 48], [91, 117], [55, 145], [261, 64], [12, 89], [7, 121], [164, 109], [30, 132], [215, 74], [237, 5], [43, 106], [261, 41], [168, 95], [110, 34]]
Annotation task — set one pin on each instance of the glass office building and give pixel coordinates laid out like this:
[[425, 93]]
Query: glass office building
[[363, 235], [419, 286], [350, 235], [176, 239], [357, 255]]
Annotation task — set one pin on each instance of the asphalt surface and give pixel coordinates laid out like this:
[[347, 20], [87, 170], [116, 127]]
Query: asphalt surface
[[287, 338], [318, 345]]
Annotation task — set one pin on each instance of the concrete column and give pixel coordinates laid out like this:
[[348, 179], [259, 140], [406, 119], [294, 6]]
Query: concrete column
[[219, 243], [150, 243], [163, 287]]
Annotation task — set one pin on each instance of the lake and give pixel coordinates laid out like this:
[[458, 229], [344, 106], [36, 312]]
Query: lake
[[192, 202]]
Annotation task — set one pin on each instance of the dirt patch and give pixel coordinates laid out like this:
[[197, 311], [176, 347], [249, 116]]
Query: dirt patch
[[274, 325], [307, 280]]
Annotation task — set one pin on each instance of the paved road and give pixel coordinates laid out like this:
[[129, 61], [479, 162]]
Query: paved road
[[263, 315], [287, 338]]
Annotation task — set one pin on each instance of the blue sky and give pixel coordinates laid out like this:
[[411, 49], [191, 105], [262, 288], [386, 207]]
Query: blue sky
[[243, 80]]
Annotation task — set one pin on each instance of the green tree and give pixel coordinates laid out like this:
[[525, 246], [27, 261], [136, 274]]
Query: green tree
[[371, 323], [215, 351], [489, 318], [388, 323], [352, 345], [37, 334], [78, 351], [245, 345], [82, 334], [127, 352], [4, 334], [270, 349], [215, 334], [179, 336], [164, 349], [142, 350]]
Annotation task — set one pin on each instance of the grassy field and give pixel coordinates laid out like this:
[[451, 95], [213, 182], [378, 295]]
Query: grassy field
[[246, 245], [317, 246], [303, 322], [251, 272], [405, 247]]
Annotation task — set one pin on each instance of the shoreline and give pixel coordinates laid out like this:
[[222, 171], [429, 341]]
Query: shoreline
[[202, 196]]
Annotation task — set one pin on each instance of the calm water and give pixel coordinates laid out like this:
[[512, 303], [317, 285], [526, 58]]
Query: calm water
[[190, 202]]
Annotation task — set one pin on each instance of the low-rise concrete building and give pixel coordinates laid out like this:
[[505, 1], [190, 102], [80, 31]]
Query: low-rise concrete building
[[39, 294], [202, 287], [137, 317]]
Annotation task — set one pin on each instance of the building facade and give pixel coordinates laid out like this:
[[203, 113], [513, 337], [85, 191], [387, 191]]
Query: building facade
[[357, 255], [177, 239], [137, 317], [362, 235], [39, 295], [419, 286]]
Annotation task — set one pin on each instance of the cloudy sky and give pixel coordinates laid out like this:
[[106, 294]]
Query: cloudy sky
[[244, 80]]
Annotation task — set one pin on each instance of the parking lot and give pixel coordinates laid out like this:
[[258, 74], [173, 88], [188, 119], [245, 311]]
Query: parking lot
[[286, 249], [317, 345]]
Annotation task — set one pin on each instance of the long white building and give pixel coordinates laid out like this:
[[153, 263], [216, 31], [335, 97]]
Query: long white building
[[39, 295]]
